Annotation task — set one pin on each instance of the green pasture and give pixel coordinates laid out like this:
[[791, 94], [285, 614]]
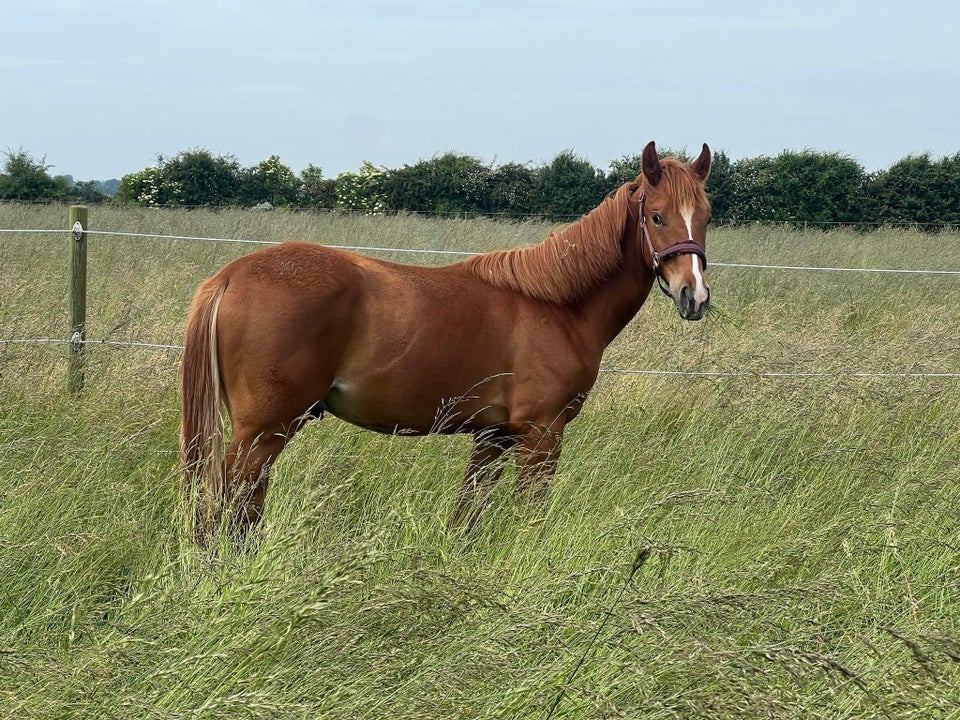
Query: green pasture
[[782, 541]]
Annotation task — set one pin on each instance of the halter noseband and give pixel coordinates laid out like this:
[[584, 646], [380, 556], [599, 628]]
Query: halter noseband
[[658, 256]]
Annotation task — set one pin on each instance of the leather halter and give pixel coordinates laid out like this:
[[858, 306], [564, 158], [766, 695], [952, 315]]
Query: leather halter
[[657, 257]]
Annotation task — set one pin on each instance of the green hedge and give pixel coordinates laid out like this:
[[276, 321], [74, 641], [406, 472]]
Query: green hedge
[[800, 187]]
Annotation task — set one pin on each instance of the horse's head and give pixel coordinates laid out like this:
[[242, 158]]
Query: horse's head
[[673, 216]]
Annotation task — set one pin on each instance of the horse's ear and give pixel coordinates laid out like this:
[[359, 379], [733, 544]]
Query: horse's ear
[[701, 166], [650, 164]]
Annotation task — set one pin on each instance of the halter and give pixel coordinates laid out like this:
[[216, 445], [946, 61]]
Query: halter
[[678, 248]]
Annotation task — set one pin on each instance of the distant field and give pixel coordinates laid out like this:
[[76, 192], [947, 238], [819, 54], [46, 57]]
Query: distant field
[[802, 531]]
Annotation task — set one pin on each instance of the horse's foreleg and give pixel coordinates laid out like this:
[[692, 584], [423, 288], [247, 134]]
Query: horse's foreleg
[[538, 452], [483, 470]]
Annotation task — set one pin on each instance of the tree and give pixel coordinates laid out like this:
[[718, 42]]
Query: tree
[[408, 188], [513, 190], [190, 178], [917, 189], [623, 170], [142, 188], [271, 181], [450, 183], [718, 185], [803, 186], [569, 186], [197, 177], [817, 187], [88, 191], [362, 190], [746, 190], [28, 180], [316, 191]]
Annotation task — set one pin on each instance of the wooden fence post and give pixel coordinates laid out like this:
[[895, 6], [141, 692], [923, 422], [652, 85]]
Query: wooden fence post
[[78, 297]]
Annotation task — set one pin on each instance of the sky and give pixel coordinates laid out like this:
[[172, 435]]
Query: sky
[[101, 88]]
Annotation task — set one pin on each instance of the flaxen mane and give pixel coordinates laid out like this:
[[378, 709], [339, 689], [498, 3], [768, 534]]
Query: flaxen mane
[[563, 267]]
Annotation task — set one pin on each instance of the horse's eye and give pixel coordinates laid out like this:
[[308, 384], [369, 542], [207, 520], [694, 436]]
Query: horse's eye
[[657, 220]]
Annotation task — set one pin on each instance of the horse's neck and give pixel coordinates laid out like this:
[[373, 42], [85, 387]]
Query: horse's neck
[[612, 304]]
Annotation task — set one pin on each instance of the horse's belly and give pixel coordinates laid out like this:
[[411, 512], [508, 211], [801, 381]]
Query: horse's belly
[[398, 412]]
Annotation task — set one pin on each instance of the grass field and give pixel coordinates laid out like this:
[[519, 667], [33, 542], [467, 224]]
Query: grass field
[[800, 536]]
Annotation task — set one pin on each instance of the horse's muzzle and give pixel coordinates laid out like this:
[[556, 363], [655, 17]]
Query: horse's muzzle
[[688, 305]]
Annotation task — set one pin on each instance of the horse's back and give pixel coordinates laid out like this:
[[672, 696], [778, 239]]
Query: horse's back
[[386, 346], [290, 265]]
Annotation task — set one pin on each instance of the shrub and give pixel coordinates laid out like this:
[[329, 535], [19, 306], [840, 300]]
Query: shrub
[[569, 186], [361, 190]]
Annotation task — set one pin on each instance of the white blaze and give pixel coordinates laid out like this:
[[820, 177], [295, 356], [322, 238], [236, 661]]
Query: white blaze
[[700, 289], [688, 219]]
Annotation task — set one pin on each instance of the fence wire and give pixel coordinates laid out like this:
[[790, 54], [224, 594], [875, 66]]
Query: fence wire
[[464, 253], [742, 374], [469, 253], [70, 341]]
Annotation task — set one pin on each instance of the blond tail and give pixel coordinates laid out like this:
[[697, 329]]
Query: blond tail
[[201, 425]]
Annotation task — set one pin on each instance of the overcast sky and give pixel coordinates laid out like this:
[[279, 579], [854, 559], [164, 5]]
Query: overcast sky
[[101, 87]]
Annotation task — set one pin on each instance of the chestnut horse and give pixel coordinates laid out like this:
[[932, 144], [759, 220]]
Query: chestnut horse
[[504, 345]]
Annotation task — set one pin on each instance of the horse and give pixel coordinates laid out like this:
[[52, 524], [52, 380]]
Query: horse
[[504, 345]]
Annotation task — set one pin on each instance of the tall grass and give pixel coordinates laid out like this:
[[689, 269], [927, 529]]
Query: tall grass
[[802, 533]]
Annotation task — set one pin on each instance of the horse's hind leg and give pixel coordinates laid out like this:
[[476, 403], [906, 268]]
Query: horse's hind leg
[[235, 503], [483, 470], [247, 474]]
